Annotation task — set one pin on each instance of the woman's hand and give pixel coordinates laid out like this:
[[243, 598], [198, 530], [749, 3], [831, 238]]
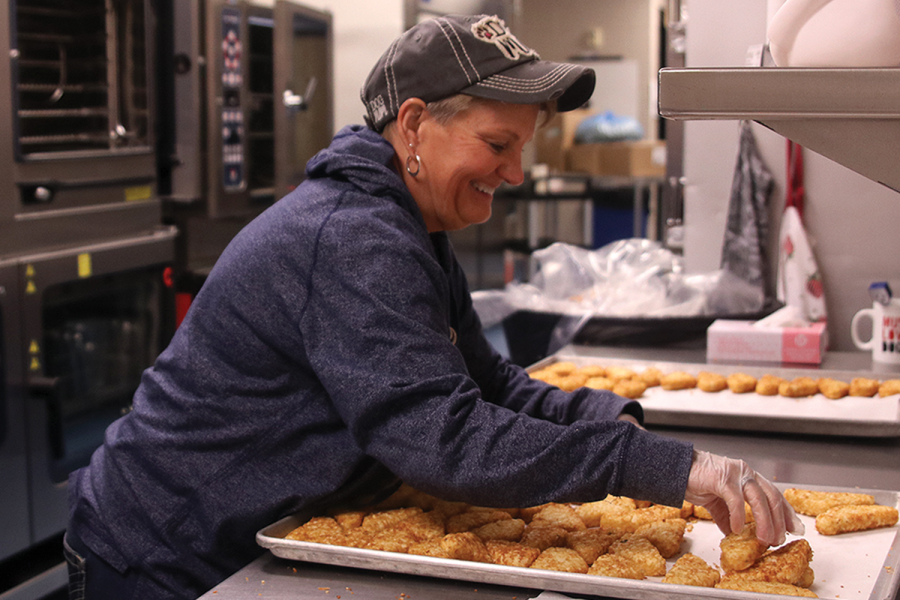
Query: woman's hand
[[723, 484]]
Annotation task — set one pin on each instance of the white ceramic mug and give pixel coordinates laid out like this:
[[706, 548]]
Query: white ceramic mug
[[885, 341]]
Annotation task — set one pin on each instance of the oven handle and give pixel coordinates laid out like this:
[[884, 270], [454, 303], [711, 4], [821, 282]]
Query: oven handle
[[294, 103], [50, 390]]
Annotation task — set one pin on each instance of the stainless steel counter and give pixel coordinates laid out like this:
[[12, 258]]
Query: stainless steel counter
[[270, 577], [791, 458], [865, 462]]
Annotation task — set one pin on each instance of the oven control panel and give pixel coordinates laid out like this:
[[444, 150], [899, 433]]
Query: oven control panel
[[232, 115]]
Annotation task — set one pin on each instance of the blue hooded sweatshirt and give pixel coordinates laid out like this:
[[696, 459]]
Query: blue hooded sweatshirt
[[333, 351]]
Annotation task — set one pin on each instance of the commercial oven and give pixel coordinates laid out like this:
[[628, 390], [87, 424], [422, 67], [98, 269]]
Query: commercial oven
[[84, 305], [78, 160], [246, 101], [78, 325]]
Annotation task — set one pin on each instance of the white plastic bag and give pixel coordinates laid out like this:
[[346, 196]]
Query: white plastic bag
[[633, 277], [799, 282]]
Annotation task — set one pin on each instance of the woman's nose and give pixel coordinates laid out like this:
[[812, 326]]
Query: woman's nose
[[511, 171]]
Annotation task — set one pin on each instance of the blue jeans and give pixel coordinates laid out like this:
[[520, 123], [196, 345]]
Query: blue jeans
[[92, 578]]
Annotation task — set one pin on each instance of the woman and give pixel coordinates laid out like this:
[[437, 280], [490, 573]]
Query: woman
[[334, 351]]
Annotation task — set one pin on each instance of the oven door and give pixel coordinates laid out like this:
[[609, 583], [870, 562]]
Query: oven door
[[77, 116], [269, 100], [303, 116], [13, 463], [93, 318]]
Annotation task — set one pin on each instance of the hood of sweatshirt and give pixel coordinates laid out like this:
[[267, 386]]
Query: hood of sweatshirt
[[360, 156]]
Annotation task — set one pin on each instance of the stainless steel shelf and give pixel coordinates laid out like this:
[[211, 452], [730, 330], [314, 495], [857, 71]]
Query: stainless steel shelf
[[851, 116]]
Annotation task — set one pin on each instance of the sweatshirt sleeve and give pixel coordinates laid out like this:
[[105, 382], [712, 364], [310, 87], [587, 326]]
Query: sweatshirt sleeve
[[377, 335]]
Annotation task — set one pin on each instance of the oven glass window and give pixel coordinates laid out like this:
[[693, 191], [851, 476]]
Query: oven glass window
[[261, 128], [99, 336], [81, 75], [3, 368]]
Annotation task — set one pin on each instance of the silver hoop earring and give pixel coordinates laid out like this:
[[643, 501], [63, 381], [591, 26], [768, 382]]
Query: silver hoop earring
[[418, 165]]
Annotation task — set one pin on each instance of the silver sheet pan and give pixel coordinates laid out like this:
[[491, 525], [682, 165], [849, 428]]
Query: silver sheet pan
[[863, 417], [856, 566]]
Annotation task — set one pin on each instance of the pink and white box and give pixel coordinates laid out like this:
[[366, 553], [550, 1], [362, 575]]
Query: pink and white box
[[729, 340]]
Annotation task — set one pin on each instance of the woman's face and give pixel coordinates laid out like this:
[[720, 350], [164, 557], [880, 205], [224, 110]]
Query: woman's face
[[464, 161]]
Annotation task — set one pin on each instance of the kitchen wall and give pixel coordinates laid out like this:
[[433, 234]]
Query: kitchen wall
[[852, 221], [560, 29]]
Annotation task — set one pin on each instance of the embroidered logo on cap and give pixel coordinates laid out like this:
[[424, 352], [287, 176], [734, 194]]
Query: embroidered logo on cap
[[493, 31], [377, 108]]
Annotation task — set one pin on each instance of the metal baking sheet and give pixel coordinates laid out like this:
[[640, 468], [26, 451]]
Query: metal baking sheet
[[848, 416], [854, 566]]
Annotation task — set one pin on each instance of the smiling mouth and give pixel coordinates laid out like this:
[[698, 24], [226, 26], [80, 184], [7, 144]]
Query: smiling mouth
[[485, 189]]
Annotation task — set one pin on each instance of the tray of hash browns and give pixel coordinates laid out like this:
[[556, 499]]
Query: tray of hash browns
[[755, 398], [616, 547]]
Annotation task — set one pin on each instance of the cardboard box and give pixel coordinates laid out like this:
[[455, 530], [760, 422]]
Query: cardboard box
[[552, 142], [728, 340], [643, 158]]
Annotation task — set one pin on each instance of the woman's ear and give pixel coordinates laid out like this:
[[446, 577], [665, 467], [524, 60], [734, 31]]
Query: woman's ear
[[409, 117]]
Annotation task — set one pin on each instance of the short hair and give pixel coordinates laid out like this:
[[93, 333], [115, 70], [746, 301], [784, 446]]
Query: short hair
[[447, 109]]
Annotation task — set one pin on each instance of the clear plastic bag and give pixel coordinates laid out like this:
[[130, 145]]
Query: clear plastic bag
[[628, 278], [635, 277]]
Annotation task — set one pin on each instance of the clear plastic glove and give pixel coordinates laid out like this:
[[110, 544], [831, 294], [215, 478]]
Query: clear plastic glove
[[721, 485]]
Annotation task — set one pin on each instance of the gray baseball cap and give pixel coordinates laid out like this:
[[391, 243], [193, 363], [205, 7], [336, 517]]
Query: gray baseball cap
[[468, 54]]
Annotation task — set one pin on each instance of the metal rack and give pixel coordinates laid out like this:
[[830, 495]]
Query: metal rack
[[82, 85], [850, 115]]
